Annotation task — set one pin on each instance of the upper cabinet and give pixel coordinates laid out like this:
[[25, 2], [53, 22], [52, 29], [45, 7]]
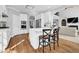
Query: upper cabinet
[[3, 13], [48, 18], [45, 19]]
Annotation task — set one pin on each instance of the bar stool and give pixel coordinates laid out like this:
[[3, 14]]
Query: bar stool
[[44, 39], [55, 37]]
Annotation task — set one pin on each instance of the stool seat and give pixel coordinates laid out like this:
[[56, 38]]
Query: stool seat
[[44, 36]]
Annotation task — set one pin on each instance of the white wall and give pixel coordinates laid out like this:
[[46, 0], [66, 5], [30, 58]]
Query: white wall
[[16, 24]]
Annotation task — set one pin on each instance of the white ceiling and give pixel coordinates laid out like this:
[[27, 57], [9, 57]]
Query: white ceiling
[[36, 8]]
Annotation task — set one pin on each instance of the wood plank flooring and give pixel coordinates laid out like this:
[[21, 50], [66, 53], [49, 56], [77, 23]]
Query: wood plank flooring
[[21, 48], [65, 46]]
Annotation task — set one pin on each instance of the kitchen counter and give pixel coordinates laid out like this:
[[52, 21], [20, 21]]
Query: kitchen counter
[[4, 27], [3, 38]]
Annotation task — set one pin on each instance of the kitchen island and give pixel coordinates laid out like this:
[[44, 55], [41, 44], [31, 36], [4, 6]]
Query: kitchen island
[[34, 36]]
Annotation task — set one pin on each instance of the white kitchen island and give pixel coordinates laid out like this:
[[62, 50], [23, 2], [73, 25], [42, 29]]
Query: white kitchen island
[[34, 36]]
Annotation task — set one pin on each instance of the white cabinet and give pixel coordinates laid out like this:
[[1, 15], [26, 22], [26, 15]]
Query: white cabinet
[[1, 42], [1, 47], [3, 39], [3, 16], [46, 19], [3, 13]]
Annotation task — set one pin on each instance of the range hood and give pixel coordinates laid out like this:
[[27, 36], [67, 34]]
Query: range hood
[[57, 13], [4, 15]]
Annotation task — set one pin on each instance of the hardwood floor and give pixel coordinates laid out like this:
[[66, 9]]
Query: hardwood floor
[[65, 46], [21, 48]]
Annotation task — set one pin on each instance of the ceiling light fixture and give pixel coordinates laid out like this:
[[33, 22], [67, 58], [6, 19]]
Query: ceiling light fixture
[[29, 6]]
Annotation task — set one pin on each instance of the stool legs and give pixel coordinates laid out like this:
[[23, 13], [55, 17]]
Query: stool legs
[[43, 46], [54, 43], [57, 40], [49, 43], [39, 45]]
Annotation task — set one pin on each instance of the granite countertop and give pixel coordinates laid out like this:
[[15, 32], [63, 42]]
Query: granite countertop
[[4, 27]]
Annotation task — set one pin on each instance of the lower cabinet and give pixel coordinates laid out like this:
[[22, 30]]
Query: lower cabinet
[[3, 40], [1, 35]]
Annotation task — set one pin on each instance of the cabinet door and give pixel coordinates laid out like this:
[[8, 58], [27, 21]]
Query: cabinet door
[[1, 42], [4, 40], [1, 49]]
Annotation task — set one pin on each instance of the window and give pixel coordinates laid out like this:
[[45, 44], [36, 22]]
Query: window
[[23, 25], [63, 22], [38, 23], [31, 24], [32, 21]]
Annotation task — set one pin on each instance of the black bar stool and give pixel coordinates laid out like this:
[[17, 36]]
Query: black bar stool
[[44, 39], [55, 37]]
